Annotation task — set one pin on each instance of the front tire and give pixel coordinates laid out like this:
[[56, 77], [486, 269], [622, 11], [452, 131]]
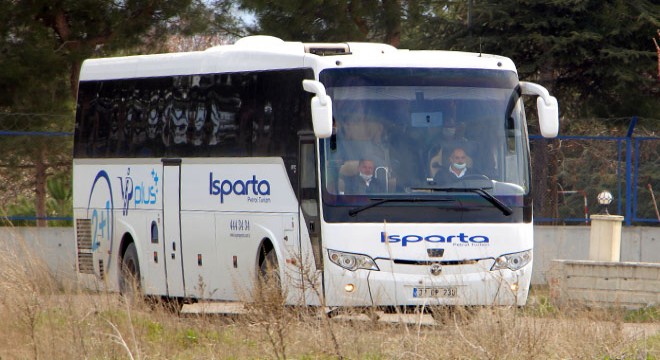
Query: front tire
[[268, 291], [129, 277], [269, 269]]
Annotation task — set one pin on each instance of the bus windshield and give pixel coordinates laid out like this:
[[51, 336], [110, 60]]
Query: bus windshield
[[416, 138]]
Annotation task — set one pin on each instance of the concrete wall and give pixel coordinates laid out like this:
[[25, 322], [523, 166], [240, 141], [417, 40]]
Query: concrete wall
[[55, 246], [593, 283], [638, 244]]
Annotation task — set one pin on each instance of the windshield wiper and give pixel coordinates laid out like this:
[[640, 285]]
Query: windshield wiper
[[506, 210], [378, 201]]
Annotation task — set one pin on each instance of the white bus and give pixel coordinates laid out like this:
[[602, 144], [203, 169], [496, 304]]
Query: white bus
[[192, 171]]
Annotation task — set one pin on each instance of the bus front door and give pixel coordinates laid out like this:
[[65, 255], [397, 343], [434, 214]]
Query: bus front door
[[309, 204], [172, 227]]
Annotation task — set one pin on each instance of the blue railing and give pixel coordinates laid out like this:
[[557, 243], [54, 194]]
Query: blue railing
[[628, 181], [632, 153]]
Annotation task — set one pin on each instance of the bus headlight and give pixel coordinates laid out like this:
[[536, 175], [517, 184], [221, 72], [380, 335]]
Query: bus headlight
[[515, 261], [352, 262]]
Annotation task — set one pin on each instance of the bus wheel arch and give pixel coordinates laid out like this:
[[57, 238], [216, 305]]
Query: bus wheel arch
[[129, 268], [267, 264]]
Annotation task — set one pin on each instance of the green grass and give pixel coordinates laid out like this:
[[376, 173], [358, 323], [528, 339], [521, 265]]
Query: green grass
[[643, 315]]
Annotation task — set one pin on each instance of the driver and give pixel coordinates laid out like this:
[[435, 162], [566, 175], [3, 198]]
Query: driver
[[460, 165]]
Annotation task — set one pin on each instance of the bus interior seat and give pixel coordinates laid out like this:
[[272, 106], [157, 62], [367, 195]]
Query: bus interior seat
[[364, 140]]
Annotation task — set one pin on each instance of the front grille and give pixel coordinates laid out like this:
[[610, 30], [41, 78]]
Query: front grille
[[431, 262]]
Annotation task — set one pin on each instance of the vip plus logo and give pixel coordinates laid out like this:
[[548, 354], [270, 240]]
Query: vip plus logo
[[126, 186], [147, 194], [139, 194]]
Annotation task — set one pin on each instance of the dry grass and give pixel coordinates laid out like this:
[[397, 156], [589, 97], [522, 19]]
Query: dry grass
[[40, 319]]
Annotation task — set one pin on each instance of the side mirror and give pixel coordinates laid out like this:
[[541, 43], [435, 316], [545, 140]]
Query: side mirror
[[547, 107], [321, 108]]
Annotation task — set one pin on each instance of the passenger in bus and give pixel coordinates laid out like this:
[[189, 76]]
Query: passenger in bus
[[451, 137], [361, 133], [364, 181], [460, 166]]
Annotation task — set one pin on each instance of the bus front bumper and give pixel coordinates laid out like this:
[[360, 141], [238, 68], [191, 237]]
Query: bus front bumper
[[408, 286]]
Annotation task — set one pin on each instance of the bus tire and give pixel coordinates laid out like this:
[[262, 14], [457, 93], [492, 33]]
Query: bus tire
[[269, 285], [129, 276], [269, 268]]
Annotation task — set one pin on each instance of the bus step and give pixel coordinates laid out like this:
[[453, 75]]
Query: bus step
[[214, 307]]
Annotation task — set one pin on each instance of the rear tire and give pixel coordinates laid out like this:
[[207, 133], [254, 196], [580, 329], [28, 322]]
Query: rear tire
[[129, 277]]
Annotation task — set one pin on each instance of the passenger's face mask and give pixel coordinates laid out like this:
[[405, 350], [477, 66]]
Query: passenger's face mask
[[459, 166]]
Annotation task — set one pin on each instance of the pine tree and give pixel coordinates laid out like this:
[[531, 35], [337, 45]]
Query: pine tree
[[329, 20], [42, 46], [595, 55]]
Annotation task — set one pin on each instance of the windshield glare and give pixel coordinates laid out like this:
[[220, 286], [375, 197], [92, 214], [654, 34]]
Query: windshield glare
[[402, 132]]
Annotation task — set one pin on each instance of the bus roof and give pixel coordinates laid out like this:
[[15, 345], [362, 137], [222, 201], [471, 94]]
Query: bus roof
[[258, 53]]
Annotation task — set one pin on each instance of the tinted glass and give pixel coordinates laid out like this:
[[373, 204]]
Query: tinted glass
[[401, 132], [238, 114]]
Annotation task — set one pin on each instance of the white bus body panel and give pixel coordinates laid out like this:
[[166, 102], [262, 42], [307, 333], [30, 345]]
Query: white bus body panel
[[121, 199], [221, 226], [232, 58], [393, 284]]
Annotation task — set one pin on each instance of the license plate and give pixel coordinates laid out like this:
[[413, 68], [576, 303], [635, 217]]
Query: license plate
[[435, 292]]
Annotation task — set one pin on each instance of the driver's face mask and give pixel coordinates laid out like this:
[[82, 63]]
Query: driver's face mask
[[366, 177]]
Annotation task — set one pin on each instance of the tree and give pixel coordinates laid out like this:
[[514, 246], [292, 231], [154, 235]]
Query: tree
[[595, 55], [329, 20], [42, 46], [33, 87], [59, 203], [81, 29]]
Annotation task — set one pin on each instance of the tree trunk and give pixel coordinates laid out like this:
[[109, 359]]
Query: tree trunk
[[392, 22], [40, 186], [73, 79]]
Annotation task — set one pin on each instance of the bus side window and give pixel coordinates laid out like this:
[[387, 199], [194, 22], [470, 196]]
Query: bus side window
[[154, 233]]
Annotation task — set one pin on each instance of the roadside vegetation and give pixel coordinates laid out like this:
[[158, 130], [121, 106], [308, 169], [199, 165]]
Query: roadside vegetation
[[46, 319]]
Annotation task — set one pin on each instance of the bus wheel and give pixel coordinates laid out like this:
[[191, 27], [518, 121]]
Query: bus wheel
[[269, 286], [268, 269], [129, 277]]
